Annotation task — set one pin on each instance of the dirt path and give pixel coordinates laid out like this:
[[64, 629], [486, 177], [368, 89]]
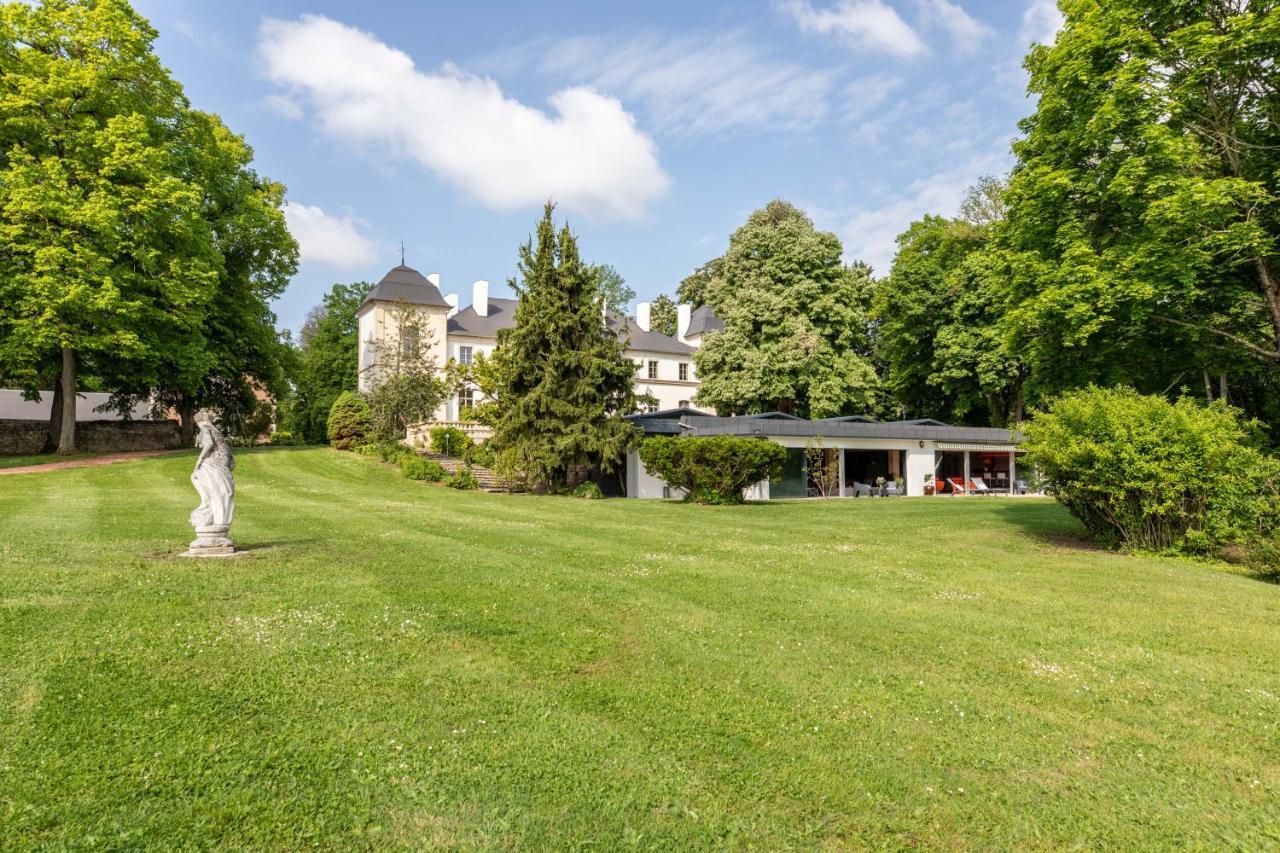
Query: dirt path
[[104, 459]]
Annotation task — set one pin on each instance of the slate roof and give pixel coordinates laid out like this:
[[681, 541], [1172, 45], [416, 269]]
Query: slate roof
[[643, 341], [677, 421], [703, 320], [502, 315], [405, 284]]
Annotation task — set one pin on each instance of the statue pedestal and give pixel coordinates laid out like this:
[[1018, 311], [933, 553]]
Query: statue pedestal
[[211, 542]]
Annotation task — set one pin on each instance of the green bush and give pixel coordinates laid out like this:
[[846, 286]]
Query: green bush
[[420, 468], [588, 490], [414, 467], [348, 421], [478, 454], [714, 469], [1140, 472], [281, 437], [451, 442], [462, 479]]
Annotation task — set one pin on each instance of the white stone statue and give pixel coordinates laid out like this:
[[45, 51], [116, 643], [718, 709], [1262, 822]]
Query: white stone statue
[[212, 479]]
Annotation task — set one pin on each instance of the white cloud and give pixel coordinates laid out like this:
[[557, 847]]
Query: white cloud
[[870, 233], [281, 105], [869, 23], [696, 84], [966, 32], [587, 154], [868, 93], [333, 240], [1040, 22]]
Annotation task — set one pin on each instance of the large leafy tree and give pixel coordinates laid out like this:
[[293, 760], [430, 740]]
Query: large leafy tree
[[327, 360], [796, 334], [1144, 210], [938, 319], [242, 358], [562, 380], [105, 254]]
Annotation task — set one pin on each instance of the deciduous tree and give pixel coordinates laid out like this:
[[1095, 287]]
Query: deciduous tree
[[797, 335]]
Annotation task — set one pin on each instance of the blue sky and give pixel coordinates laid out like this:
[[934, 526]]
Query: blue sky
[[657, 126]]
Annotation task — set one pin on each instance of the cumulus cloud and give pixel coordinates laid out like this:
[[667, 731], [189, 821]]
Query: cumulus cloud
[[587, 153], [868, 23], [334, 240], [1040, 22], [697, 84], [967, 33], [870, 233]]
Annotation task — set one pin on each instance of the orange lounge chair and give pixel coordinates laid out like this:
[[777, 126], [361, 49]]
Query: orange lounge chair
[[957, 486]]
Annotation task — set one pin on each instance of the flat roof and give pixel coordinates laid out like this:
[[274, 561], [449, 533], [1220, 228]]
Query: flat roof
[[683, 422]]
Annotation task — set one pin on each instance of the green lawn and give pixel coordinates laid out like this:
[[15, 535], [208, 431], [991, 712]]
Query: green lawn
[[395, 664], [41, 459]]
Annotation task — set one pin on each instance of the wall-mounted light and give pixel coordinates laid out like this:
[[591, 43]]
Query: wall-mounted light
[[922, 445]]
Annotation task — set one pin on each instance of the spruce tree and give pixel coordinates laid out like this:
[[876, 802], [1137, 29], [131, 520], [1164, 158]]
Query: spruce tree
[[563, 381]]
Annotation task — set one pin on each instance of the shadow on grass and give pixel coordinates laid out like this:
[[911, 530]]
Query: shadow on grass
[[1051, 525]]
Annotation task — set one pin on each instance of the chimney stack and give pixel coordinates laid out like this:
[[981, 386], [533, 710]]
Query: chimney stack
[[452, 299], [642, 316], [684, 314], [434, 278], [480, 298]]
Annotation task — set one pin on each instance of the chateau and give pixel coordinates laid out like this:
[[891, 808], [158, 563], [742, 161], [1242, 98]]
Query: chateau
[[664, 364]]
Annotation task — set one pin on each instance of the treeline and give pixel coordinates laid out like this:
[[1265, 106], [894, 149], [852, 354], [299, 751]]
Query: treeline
[[1134, 243], [140, 249]]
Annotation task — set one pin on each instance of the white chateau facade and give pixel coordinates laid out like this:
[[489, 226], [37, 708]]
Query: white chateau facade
[[664, 365]]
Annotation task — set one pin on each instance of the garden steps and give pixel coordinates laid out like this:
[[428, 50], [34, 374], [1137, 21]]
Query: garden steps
[[489, 480]]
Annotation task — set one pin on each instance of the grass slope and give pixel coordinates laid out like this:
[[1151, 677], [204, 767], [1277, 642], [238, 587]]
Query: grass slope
[[400, 665]]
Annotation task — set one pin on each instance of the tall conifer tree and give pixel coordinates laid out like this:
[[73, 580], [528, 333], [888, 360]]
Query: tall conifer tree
[[563, 381]]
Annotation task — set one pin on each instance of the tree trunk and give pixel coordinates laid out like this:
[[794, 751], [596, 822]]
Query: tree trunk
[[186, 421], [67, 383], [1271, 290], [55, 420], [1222, 388], [1208, 386]]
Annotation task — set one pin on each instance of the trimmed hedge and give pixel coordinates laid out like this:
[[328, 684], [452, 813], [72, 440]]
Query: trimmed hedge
[[420, 468], [589, 490], [349, 421], [713, 469], [1140, 472]]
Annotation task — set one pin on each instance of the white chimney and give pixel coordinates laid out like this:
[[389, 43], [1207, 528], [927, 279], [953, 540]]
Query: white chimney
[[452, 299], [684, 313], [434, 278], [642, 316], [480, 298]]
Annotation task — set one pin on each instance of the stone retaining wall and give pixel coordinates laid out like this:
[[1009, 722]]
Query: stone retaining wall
[[27, 437]]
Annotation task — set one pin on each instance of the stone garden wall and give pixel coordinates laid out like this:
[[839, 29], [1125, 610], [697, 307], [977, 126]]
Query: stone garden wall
[[25, 437]]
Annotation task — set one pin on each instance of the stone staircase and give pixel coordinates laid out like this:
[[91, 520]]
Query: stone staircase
[[489, 481]]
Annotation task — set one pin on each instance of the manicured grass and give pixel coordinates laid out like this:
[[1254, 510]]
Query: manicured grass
[[399, 665], [41, 459]]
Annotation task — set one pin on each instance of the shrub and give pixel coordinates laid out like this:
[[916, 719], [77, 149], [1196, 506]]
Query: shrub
[[462, 479], [1140, 472], [478, 454], [588, 490], [348, 421], [281, 437], [714, 469], [451, 441], [400, 400], [419, 468]]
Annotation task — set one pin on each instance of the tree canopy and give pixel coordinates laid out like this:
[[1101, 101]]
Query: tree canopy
[[328, 360], [1143, 212], [663, 316], [797, 335]]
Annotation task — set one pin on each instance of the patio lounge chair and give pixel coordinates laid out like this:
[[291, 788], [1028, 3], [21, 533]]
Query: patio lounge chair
[[891, 490], [957, 487], [860, 489], [979, 487], [1020, 487]]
